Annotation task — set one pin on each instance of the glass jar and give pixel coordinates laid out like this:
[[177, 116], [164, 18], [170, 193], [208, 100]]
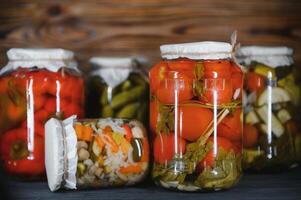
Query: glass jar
[[35, 84], [117, 87], [271, 139], [95, 153], [196, 117]]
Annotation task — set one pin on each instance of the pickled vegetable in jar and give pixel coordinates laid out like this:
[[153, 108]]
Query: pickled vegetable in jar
[[196, 117], [271, 139], [117, 87], [35, 85], [95, 153]]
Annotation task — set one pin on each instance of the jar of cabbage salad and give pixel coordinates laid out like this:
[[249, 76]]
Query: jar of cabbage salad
[[95, 153], [272, 141], [196, 117]]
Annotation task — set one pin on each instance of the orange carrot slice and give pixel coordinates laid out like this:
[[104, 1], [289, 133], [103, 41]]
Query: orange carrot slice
[[131, 169]]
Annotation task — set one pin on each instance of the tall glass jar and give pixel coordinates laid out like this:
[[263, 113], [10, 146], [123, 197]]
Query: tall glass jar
[[35, 84], [117, 87], [196, 117], [272, 141]]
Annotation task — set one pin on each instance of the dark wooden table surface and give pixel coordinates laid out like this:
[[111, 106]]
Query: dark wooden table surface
[[252, 186]]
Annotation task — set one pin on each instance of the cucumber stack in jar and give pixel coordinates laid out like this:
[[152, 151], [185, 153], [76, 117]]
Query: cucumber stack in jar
[[272, 141], [117, 87]]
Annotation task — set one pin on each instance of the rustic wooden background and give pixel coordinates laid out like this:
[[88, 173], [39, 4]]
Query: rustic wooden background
[[138, 27]]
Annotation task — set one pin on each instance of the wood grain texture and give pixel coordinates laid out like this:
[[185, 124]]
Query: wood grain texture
[[137, 27]]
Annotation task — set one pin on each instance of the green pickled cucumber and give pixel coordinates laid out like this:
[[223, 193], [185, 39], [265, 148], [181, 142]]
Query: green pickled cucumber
[[128, 111], [142, 112], [107, 111], [137, 79], [126, 97], [103, 100], [126, 85], [137, 149]]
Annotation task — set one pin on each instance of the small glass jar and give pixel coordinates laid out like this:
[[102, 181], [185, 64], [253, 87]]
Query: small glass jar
[[271, 139], [35, 84], [95, 153], [196, 117], [117, 87]]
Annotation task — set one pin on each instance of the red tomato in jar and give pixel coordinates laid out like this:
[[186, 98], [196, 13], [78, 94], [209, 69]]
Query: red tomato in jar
[[40, 82], [255, 82], [67, 86], [41, 116], [250, 136], [156, 75], [222, 144], [194, 121], [231, 126], [237, 80], [153, 115], [176, 87], [73, 109], [183, 65], [223, 89], [39, 101], [165, 147], [217, 68], [51, 105], [4, 84]]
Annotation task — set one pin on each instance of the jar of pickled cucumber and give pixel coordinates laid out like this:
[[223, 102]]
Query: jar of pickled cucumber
[[272, 141], [196, 117], [117, 87], [36, 84], [95, 153]]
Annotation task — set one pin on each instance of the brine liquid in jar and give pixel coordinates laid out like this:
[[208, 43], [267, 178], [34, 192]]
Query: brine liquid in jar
[[95, 153], [196, 117], [36, 84], [271, 134]]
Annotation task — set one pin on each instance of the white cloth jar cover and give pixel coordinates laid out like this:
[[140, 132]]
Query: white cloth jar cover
[[61, 153], [113, 70], [50, 59], [270, 56], [197, 50]]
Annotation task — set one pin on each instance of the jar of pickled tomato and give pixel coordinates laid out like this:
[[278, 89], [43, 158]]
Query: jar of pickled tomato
[[117, 87], [272, 140], [36, 84], [196, 117], [95, 153]]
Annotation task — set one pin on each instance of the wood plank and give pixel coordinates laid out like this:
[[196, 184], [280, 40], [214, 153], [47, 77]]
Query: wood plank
[[135, 27]]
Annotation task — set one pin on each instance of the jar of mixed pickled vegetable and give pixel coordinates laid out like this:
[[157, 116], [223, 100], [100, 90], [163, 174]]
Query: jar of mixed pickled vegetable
[[196, 117], [95, 153], [35, 85], [272, 141], [117, 87]]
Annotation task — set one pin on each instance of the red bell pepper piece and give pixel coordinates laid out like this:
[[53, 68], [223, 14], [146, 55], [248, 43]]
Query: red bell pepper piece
[[15, 154], [128, 132]]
